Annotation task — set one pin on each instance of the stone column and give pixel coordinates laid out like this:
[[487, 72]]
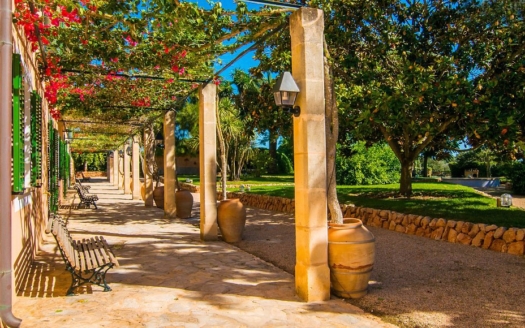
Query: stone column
[[115, 167], [312, 275], [149, 140], [121, 170], [170, 187], [135, 168], [208, 161], [127, 169], [110, 169]]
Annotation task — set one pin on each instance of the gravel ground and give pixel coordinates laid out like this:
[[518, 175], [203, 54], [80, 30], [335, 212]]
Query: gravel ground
[[416, 282]]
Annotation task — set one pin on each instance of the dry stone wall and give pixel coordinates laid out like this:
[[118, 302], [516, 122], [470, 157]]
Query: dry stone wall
[[499, 239]]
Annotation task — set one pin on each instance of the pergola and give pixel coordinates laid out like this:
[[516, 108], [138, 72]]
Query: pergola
[[114, 70]]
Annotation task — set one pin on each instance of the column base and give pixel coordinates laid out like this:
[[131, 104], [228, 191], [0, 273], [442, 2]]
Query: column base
[[312, 283]]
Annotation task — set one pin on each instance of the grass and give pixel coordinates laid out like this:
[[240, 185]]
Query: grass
[[249, 180], [438, 200], [434, 199]]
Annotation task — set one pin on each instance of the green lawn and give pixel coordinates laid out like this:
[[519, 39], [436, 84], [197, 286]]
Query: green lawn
[[265, 179], [437, 200]]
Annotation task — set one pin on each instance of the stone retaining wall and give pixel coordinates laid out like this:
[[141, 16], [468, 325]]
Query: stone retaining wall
[[189, 186], [90, 174], [500, 239]]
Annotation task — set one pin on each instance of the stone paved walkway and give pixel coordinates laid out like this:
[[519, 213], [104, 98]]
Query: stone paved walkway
[[168, 278]]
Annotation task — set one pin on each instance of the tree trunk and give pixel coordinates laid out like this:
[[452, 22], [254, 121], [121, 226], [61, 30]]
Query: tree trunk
[[273, 169], [222, 147], [487, 166], [332, 133], [405, 181], [424, 172]]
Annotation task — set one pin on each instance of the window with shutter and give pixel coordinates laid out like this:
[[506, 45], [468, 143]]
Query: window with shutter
[[54, 167], [36, 140], [18, 126]]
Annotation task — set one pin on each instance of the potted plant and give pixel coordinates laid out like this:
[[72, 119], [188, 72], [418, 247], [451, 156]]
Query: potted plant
[[231, 213]]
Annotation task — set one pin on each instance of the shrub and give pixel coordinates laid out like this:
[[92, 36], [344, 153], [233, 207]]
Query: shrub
[[359, 165], [284, 164], [517, 176]]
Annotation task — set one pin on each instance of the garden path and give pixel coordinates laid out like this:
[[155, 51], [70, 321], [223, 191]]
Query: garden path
[[168, 278]]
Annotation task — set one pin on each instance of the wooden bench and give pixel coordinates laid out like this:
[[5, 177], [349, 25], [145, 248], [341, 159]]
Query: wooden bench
[[87, 200], [86, 188], [87, 260]]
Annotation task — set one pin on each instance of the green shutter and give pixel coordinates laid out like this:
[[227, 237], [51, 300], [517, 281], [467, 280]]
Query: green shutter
[[18, 126], [53, 168], [36, 140]]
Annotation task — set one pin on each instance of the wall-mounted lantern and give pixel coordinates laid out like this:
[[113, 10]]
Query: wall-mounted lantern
[[285, 93], [121, 153], [129, 151], [159, 140]]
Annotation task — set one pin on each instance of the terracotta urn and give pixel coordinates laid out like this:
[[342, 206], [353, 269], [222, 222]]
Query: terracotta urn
[[158, 197], [231, 217], [143, 191], [183, 203], [351, 256]]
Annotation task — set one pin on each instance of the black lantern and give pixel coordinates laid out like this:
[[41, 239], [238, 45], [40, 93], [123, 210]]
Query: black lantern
[[121, 153], [110, 154], [159, 140], [129, 152], [285, 92]]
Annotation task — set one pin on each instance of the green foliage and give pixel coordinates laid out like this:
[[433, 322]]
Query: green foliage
[[260, 162], [359, 165], [94, 161], [284, 164], [482, 160], [517, 176], [418, 74], [438, 167]]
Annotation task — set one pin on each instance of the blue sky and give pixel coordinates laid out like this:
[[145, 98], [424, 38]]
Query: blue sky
[[244, 63]]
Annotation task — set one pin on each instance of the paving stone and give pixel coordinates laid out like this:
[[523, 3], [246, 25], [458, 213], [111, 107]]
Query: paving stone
[[169, 278]]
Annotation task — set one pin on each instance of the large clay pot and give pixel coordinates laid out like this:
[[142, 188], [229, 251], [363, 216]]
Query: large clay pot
[[184, 203], [143, 191], [159, 160], [231, 217], [158, 197], [351, 256]]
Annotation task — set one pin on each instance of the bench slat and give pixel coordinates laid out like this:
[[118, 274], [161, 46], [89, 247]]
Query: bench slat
[[95, 253], [101, 250], [102, 256], [90, 256], [82, 260], [109, 252]]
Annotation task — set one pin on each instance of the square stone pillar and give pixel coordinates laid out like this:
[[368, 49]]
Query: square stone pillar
[[135, 169], [170, 186], [121, 170], [115, 168], [110, 169], [208, 161], [127, 171], [312, 275], [148, 164]]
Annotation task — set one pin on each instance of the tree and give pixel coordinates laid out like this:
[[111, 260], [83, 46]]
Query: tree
[[125, 61], [255, 100], [403, 73]]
